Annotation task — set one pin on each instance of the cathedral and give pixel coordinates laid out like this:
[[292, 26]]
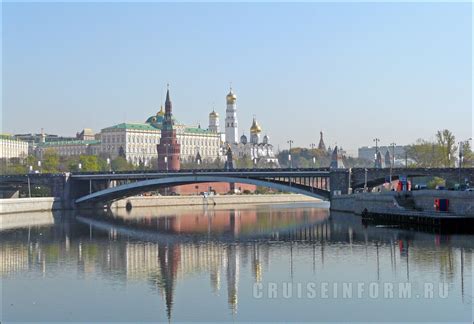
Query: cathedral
[[256, 148]]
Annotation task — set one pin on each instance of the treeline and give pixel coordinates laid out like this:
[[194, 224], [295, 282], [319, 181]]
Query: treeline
[[53, 163], [443, 151]]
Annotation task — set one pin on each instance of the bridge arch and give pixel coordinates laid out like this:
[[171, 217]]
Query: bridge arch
[[130, 189]]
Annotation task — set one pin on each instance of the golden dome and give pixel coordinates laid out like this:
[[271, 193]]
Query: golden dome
[[255, 128], [213, 114], [161, 112], [231, 97]]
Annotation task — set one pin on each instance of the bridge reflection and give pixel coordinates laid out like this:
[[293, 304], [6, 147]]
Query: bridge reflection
[[220, 243]]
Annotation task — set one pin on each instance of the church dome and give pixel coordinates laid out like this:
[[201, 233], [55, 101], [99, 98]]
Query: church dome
[[157, 120], [213, 114], [161, 112], [243, 139], [231, 97], [255, 128]]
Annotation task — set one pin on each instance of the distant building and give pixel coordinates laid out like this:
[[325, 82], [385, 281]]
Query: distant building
[[68, 148], [86, 135], [10, 147], [135, 142]]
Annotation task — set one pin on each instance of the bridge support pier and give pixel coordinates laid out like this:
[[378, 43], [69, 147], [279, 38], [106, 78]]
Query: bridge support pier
[[339, 182]]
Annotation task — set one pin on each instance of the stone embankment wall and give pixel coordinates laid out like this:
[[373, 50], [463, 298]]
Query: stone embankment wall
[[26, 205], [218, 200], [23, 205], [460, 202]]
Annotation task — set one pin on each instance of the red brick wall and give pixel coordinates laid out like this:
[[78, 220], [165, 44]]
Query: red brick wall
[[219, 187]]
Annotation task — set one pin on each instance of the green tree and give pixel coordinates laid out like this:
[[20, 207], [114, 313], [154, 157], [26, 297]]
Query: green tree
[[89, 163], [50, 162], [425, 154], [468, 155], [436, 181], [243, 163], [121, 164], [447, 146]]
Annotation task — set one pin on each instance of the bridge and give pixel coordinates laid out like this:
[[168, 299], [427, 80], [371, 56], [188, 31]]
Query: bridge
[[104, 187]]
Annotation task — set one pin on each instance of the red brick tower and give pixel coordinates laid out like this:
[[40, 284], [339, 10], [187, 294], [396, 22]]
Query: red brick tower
[[169, 148]]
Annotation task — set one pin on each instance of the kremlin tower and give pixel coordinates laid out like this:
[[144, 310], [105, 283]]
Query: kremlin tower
[[169, 148], [231, 130]]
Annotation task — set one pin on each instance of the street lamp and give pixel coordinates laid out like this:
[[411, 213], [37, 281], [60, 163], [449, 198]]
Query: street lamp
[[79, 166], [166, 156], [289, 154], [109, 164], [365, 180], [393, 162], [312, 145], [39, 166], [376, 140]]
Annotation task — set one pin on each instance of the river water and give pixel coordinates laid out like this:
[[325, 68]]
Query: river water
[[296, 262]]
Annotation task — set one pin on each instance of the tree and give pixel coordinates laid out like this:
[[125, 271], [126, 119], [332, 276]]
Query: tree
[[468, 155], [425, 154], [89, 163], [447, 145], [244, 162], [50, 163], [436, 181], [121, 164]]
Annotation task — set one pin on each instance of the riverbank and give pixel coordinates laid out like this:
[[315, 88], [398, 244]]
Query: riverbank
[[212, 200], [417, 207], [26, 205], [460, 202]]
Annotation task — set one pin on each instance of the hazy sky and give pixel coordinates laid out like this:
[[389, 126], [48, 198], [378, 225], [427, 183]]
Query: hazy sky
[[356, 71]]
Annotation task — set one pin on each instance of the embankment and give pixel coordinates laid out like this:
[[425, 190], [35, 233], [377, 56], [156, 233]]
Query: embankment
[[26, 205], [217, 200], [460, 202], [22, 205]]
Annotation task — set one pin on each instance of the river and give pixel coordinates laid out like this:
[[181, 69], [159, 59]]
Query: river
[[281, 262]]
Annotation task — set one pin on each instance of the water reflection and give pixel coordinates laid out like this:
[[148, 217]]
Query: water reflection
[[230, 249]]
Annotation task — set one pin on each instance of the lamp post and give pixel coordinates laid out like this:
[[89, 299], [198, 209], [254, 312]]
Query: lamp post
[[166, 156], [109, 165], [365, 180], [460, 161], [376, 140], [29, 183], [79, 166], [289, 154], [393, 162], [312, 145], [39, 166]]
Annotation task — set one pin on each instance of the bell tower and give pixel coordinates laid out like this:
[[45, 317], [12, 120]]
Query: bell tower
[[231, 124]]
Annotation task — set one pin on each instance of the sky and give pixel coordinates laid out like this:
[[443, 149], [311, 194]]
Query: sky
[[356, 71]]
